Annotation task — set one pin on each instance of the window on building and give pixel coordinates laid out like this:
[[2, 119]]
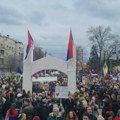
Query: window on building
[[1, 44], [2, 51], [1, 61]]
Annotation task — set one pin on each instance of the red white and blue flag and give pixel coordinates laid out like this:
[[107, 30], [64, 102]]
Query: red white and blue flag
[[70, 47], [29, 45]]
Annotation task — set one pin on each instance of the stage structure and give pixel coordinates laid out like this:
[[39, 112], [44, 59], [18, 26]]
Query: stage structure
[[30, 67]]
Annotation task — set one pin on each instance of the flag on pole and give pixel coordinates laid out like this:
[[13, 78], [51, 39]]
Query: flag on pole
[[29, 45], [70, 47], [105, 69]]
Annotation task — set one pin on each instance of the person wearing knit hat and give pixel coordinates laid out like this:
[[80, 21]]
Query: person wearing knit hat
[[36, 118], [55, 107], [56, 114]]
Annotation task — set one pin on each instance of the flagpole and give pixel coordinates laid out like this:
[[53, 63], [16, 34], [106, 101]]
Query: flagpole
[[27, 65], [71, 65]]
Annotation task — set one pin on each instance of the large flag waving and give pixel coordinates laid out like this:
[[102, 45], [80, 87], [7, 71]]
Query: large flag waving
[[105, 69], [29, 45], [70, 47]]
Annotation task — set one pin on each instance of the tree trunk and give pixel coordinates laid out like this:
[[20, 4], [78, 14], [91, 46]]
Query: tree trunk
[[100, 60]]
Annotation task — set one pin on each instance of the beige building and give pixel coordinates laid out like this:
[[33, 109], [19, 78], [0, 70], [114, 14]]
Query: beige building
[[11, 53]]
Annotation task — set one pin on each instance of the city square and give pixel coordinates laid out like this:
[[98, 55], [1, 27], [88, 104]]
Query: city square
[[59, 60]]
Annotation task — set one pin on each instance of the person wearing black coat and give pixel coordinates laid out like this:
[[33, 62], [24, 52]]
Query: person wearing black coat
[[114, 104], [39, 110], [79, 110], [69, 104]]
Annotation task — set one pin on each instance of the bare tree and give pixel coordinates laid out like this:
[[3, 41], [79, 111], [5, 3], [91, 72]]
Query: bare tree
[[11, 63], [38, 53], [111, 50], [100, 36]]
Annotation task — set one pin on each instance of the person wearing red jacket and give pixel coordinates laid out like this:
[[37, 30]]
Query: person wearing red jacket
[[12, 113], [118, 115]]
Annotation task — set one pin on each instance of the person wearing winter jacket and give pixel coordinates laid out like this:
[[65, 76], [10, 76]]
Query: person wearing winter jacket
[[56, 114], [12, 113]]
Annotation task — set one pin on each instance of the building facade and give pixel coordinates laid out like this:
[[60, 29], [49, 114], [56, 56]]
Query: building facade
[[11, 53]]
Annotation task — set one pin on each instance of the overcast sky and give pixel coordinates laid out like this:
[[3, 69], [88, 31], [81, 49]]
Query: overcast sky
[[49, 21]]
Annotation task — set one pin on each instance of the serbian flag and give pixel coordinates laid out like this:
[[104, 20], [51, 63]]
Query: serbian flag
[[70, 47], [29, 45]]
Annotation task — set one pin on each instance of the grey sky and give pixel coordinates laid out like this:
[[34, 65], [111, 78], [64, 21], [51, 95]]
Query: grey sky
[[49, 21]]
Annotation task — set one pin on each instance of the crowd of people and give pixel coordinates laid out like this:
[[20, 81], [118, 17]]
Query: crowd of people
[[94, 99]]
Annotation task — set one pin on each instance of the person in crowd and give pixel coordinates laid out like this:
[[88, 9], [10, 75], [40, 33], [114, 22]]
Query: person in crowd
[[69, 104], [109, 115], [71, 116], [24, 95], [37, 111], [56, 114], [118, 115], [90, 111], [79, 109], [114, 104], [36, 118], [12, 113], [86, 116], [100, 117], [94, 107], [2, 104], [19, 100], [118, 101], [22, 116], [83, 100], [27, 108], [107, 105]]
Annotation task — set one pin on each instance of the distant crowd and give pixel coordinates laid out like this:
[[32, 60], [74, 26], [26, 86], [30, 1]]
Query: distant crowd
[[96, 98]]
